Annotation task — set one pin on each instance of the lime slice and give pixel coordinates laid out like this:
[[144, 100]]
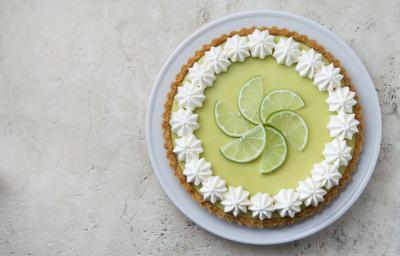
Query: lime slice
[[275, 151], [292, 126], [230, 122], [279, 100], [246, 148], [249, 99]]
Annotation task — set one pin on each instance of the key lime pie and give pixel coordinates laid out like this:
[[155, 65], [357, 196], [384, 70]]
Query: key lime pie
[[262, 127]]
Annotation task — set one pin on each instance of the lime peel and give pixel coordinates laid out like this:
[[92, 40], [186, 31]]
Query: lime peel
[[278, 100], [275, 150], [246, 148], [230, 122], [292, 126], [249, 99]]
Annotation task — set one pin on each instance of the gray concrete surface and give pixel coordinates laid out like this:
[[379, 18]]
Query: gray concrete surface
[[75, 78]]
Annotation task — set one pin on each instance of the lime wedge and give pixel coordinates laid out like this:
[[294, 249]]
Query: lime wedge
[[230, 122], [249, 99], [275, 151], [246, 148], [292, 126], [279, 100]]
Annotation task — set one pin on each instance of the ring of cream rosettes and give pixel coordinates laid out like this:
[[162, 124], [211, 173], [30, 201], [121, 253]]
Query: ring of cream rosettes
[[309, 63]]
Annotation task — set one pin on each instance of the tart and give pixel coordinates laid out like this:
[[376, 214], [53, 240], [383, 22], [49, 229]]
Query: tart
[[263, 127]]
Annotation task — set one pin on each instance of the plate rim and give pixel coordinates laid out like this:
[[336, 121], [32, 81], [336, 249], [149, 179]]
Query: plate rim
[[189, 212]]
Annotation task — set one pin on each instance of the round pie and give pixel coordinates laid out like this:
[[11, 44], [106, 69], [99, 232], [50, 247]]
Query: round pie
[[263, 127]]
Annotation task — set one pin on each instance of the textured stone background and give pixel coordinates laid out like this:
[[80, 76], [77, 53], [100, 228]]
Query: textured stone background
[[75, 178]]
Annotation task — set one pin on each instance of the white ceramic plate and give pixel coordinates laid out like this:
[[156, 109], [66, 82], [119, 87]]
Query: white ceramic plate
[[369, 102]]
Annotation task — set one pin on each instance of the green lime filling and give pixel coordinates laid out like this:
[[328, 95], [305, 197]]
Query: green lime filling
[[298, 165]]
